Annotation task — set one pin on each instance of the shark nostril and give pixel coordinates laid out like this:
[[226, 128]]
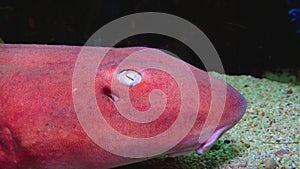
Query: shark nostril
[[108, 93]]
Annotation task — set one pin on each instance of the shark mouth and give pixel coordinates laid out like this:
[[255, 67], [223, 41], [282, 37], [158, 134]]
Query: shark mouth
[[204, 146]]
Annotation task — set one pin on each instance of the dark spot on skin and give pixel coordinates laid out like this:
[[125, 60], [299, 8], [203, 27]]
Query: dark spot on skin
[[49, 123]]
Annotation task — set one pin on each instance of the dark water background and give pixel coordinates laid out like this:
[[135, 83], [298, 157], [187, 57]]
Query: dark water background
[[251, 36]]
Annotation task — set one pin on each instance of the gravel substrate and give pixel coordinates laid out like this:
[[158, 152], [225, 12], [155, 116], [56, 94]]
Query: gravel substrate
[[268, 136]]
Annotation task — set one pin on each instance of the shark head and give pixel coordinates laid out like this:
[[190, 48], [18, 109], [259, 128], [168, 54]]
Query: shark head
[[146, 94]]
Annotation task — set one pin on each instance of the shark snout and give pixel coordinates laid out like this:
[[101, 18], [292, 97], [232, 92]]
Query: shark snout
[[234, 109]]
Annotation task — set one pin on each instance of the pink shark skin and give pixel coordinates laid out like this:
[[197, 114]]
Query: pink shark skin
[[39, 127]]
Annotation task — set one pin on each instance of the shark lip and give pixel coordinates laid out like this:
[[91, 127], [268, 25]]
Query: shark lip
[[206, 145], [202, 147], [183, 152]]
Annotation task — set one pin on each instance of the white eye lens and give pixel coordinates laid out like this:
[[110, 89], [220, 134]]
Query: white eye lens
[[129, 78]]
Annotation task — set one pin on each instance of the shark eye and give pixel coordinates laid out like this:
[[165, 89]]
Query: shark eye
[[129, 78]]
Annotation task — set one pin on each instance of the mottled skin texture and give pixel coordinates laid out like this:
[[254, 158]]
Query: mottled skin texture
[[38, 124]]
